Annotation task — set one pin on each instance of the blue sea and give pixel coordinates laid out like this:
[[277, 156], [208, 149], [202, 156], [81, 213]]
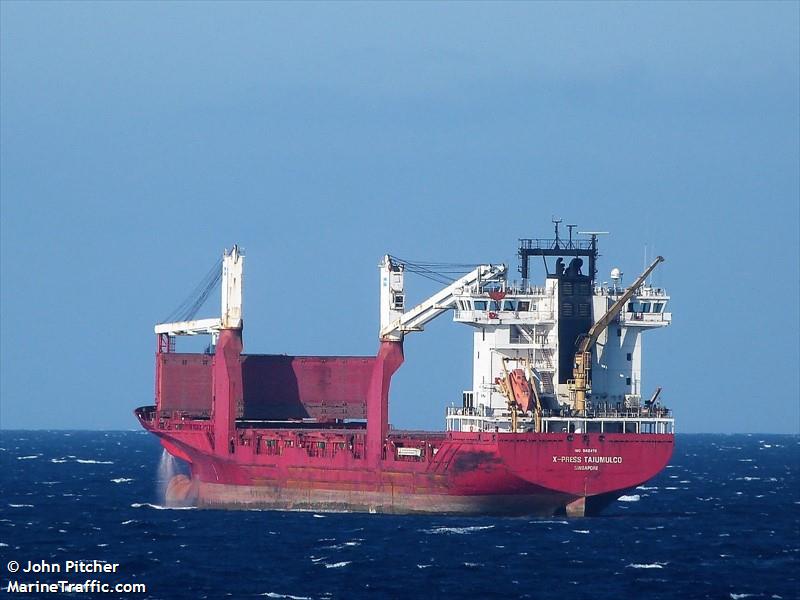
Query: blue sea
[[722, 521]]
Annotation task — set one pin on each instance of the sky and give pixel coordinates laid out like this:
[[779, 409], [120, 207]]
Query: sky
[[137, 140]]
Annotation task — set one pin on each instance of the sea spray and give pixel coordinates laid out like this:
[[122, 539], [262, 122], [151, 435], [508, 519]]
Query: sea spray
[[168, 467]]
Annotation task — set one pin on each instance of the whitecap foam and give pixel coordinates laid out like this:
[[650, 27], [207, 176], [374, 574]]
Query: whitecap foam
[[21, 505], [544, 522], [316, 516], [644, 487], [121, 480], [645, 566], [58, 460], [457, 530], [581, 531], [289, 596], [91, 461], [739, 596], [31, 457], [160, 507], [423, 566], [337, 565], [631, 498]]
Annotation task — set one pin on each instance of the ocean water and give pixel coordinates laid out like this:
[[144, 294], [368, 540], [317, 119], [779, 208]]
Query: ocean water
[[722, 521]]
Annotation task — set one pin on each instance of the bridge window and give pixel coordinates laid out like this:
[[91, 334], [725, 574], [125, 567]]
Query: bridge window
[[509, 305], [658, 307], [480, 304], [523, 305], [645, 307]]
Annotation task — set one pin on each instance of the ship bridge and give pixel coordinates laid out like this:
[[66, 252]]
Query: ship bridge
[[535, 330]]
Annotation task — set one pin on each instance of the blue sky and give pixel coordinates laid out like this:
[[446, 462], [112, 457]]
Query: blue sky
[[138, 140]]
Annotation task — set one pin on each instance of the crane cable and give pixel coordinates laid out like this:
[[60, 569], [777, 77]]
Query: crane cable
[[187, 309], [435, 271]]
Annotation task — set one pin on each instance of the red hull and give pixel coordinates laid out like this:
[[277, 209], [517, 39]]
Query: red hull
[[328, 466], [525, 473]]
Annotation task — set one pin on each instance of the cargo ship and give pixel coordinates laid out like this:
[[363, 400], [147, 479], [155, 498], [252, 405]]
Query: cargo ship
[[555, 422]]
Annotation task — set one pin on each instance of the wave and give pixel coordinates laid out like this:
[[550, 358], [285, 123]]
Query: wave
[[337, 565], [160, 507], [91, 461], [21, 505], [646, 565], [58, 460], [581, 531], [289, 596], [31, 457], [121, 480], [545, 522], [633, 498], [457, 530]]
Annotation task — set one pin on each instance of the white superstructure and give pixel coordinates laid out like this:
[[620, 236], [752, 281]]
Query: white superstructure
[[521, 325]]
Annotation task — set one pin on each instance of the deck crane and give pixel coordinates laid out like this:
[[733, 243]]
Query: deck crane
[[395, 322], [583, 354], [231, 275]]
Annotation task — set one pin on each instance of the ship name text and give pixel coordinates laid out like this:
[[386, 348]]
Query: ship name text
[[587, 463]]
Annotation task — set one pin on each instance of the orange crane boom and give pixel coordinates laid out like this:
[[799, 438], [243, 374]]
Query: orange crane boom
[[583, 354]]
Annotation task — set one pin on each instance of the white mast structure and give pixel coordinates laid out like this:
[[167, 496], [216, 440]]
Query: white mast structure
[[230, 302]]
